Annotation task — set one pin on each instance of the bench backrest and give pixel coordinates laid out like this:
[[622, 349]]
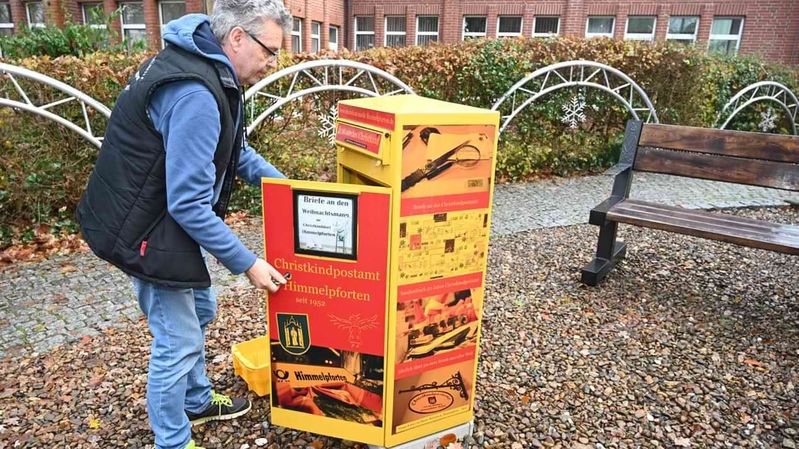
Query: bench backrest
[[766, 160]]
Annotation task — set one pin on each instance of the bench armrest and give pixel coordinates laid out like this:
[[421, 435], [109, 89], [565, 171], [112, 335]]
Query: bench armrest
[[616, 169], [598, 215]]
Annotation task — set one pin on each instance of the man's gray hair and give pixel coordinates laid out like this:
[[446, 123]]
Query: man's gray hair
[[248, 14]]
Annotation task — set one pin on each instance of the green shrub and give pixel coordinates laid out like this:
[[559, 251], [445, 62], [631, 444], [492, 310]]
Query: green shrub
[[44, 167]]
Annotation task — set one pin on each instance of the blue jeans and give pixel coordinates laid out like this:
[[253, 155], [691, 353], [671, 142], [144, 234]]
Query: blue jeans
[[176, 381]]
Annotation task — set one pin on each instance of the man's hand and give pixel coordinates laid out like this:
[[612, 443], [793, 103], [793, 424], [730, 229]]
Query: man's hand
[[264, 276]]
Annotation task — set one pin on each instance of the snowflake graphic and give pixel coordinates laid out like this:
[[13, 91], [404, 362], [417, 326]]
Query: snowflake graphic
[[769, 121], [327, 124], [573, 113]]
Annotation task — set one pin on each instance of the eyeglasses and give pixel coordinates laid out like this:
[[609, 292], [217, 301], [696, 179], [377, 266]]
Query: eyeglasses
[[270, 54]]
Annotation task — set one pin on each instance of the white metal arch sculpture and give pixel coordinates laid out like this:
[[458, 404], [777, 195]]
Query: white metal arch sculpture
[[323, 75], [10, 73], [767, 91], [569, 74]]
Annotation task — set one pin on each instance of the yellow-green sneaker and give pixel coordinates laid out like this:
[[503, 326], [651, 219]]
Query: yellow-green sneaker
[[221, 407], [191, 445]]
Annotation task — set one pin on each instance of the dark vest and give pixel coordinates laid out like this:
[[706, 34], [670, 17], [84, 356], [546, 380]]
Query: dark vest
[[123, 212]]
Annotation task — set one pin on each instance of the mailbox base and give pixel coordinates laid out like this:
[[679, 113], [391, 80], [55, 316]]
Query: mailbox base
[[460, 432]]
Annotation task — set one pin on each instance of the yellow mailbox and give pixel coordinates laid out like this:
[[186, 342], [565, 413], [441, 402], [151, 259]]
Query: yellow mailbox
[[375, 337]]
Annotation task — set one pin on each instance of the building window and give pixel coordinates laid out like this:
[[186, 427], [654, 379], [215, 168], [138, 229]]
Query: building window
[[169, 11], [6, 25], [683, 29], [332, 41], [725, 35], [426, 29], [316, 38], [296, 36], [600, 27], [395, 31], [133, 28], [640, 28], [35, 11], [509, 26], [474, 26], [93, 15], [364, 32], [546, 26]]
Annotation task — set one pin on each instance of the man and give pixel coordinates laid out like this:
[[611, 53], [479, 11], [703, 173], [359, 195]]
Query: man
[[160, 188]]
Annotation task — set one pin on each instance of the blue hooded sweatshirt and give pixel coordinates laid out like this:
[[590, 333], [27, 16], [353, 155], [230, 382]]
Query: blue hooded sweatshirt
[[187, 116]]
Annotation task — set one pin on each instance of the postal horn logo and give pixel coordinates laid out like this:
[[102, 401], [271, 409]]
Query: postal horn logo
[[294, 332]]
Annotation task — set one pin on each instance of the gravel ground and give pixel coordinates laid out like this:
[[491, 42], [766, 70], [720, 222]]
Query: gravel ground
[[689, 343]]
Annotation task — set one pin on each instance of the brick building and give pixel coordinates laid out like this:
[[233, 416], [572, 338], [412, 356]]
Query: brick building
[[766, 27], [769, 28], [317, 23]]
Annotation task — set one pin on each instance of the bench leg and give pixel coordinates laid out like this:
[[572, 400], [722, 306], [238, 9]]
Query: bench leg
[[608, 252]]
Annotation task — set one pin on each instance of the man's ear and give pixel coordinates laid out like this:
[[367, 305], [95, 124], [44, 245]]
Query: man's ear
[[235, 38]]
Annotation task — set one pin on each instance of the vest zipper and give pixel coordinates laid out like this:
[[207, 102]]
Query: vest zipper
[[220, 208], [146, 234]]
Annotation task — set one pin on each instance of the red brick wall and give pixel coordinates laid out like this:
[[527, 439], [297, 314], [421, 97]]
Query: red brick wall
[[18, 13], [771, 27], [326, 12], [55, 14]]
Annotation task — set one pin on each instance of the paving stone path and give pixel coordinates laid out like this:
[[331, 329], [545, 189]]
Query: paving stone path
[[48, 303]]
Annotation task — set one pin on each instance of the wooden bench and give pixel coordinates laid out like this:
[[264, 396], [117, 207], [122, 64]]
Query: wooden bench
[[766, 160]]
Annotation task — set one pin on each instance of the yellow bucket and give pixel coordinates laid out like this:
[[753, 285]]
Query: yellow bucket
[[251, 363]]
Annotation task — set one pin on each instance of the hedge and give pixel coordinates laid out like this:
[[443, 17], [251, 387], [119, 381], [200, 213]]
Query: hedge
[[44, 167]]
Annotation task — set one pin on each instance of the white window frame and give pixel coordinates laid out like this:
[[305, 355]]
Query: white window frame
[[592, 35], [358, 32], [427, 33], [316, 39], [161, 11], [393, 33], [535, 20], [297, 34], [727, 37], [7, 25], [161, 14], [683, 36], [510, 34], [332, 45], [474, 34], [84, 14], [28, 14], [131, 26], [640, 36]]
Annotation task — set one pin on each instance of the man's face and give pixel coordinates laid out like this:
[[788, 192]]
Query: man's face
[[251, 60]]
